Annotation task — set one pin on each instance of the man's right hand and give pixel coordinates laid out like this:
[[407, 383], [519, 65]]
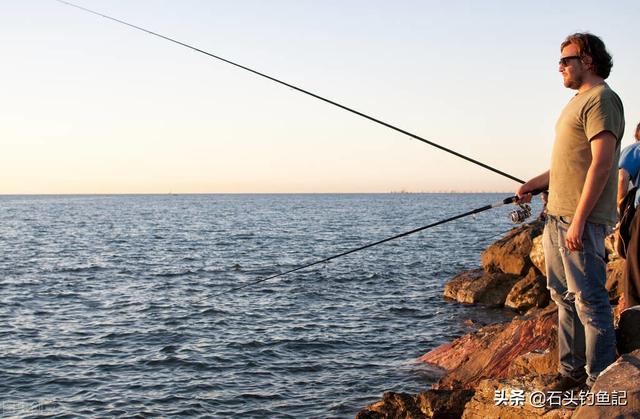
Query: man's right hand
[[523, 195], [538, 183]]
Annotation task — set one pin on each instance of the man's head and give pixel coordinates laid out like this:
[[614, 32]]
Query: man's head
[[583, 55], [638, 133]]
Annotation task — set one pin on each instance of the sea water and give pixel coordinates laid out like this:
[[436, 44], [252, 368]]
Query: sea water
[[108, 303]]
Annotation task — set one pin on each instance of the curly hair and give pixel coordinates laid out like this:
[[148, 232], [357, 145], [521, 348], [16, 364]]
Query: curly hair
[[592, 46]]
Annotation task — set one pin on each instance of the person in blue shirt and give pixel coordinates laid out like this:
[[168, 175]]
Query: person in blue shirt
[[629, 172], [629, 167]]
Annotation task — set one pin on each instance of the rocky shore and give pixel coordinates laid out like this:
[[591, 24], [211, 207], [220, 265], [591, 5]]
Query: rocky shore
[[501, 370]]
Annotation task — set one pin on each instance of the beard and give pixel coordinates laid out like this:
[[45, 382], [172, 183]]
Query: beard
[[573, 82]]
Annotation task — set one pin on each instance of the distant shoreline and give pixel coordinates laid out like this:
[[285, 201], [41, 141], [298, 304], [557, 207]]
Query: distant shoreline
[[253, 193]]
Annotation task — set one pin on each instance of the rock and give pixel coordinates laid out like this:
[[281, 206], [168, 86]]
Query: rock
[[621, 376], [474, 323], [490, 351], [479, 287], [615, 273], [615, 270], [537, 255], [452, 355], [629, 330], [531, 291], [460, 281], [511, 253], [541, 362], [519, 357], [393, 406], [442, 404], [510, 399], [610, 246]]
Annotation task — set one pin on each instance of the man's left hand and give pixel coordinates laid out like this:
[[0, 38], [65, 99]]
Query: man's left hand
[[574, 236]]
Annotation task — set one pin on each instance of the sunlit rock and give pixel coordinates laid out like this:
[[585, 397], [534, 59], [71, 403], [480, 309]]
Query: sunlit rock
[[530, 291], [510, 254], [490, 351], [479, 287], [427, 404], [536, 255], [619, 382]]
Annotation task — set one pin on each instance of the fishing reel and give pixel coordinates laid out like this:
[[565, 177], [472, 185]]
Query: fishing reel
[[521, 214]]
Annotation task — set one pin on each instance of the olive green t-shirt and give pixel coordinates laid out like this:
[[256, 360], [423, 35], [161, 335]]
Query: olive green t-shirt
[[586, 115]]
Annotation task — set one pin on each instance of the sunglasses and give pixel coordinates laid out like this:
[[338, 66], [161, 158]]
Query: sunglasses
[[564, 61]]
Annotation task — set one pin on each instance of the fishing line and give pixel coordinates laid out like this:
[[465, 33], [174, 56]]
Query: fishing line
[[505, 201], [370, 118]]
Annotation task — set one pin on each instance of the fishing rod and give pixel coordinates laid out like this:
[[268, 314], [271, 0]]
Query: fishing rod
[[370, 118], [522, 214]]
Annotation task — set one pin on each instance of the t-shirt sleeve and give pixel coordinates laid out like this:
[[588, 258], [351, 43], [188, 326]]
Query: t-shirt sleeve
[[603, 114]]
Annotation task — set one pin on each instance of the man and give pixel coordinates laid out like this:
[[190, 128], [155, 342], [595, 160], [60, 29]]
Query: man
[[582, 202], [630, 172]]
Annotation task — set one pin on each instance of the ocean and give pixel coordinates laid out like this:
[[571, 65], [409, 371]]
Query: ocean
[[108, 304]]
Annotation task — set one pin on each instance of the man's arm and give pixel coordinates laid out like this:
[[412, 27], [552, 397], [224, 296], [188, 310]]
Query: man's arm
[[603, 147], [623, 184], [538, 183]]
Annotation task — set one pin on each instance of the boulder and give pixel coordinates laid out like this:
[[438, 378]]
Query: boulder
[[453, 355], [538, 361], [511, 253], [393, 406], [629, 330], [461, 281], [531, 291], [479, 287], [442, 404], [490, 351], [620, 381], [615, 270], [537, 254], [610, 245]]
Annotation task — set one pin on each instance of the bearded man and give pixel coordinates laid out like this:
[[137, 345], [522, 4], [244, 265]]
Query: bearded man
[[582, 184]]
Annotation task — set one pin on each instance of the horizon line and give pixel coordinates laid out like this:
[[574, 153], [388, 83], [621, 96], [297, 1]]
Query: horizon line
[[249, 193]]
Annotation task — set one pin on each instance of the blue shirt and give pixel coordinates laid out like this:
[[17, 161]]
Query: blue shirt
[[630, 161]]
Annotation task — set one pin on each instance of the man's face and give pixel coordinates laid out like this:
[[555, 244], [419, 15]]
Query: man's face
[[572, 69]]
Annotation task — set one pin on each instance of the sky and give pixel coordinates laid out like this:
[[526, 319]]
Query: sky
[[92, 106]]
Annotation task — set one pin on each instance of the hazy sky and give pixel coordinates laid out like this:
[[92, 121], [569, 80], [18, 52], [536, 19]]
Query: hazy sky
[[91, 106]]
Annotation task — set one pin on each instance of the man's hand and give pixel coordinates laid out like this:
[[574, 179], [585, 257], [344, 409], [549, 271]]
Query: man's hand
[[603, 148], [574, 236], [523, 195], [538, 183]]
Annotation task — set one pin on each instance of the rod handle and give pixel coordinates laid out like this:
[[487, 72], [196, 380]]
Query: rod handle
[[514, 198]]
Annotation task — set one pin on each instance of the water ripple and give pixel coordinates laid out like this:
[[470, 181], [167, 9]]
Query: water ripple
[[107, 304]]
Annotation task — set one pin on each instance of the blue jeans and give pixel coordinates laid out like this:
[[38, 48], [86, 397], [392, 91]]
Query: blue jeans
[[576, 280]]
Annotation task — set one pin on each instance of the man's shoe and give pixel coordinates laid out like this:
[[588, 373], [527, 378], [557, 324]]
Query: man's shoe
[[564, 383]]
